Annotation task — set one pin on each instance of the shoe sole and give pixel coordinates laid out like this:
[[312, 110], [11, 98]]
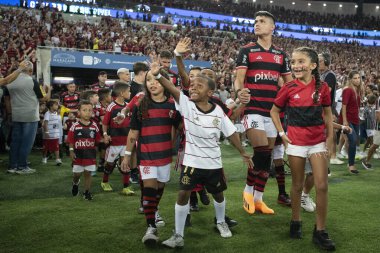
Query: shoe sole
[[150, 242], [284, 203], [315, 241]]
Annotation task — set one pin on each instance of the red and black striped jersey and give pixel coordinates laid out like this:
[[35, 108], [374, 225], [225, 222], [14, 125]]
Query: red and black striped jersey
[[155, 132], [174, 77], [84, 139], [70, 101], [118, 132], [98, 112], [96, 87], [264, 68], [305, 118]]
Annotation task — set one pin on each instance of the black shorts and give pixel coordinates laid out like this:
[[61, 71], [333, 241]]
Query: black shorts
[[214, 180]]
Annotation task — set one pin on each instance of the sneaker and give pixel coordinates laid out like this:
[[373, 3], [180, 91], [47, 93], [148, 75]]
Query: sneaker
[[230, 222], [354, 171], [366, 165], [44, 160], [204, 197], [176, 241], [11, 170], [127, 191], [106, 187], [284, 199], [25, 170], [194, 207], [248, 203], [336, 161], [329, 172], [344, 153], [87, 196], [224, 230], [322, 240], [263, 208], [307, 203], [159, 221], [134, 178], [75, 189], [58, 162], [188, 220], [150, 238], [295, 229]]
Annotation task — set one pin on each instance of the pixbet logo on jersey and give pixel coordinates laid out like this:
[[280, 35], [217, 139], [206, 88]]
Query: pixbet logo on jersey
[[266, 76], [84, 144]]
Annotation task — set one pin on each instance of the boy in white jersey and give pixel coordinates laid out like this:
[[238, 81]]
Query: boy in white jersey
[[52, 128], [202, 161]]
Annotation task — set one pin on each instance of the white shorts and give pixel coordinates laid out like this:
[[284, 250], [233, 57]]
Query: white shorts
[[239, 128], [278, 152], [80, 168], [259, 122], [370, 132], [161, 173], [376, 138], [305, 151], [113, 152]]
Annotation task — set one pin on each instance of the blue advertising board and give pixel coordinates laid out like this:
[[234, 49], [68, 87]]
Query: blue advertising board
[[10, 2], [92, 60]]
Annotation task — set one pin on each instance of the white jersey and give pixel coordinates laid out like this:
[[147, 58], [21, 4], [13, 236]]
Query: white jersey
[[202, 131], [54, 125]]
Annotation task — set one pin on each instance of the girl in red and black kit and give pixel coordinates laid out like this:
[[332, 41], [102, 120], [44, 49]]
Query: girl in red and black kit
[[151, 126], [309, 136], [349, 115]]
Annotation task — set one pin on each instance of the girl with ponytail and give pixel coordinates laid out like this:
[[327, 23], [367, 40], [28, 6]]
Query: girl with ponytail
[[309, 136]]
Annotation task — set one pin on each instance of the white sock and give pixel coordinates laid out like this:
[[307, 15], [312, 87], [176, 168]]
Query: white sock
[[220, 211], [258, 196], [180, 217], [248, 189]]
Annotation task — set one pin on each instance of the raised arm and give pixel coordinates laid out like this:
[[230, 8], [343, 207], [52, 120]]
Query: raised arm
[[10, 78], [155, 71], [182, 48]]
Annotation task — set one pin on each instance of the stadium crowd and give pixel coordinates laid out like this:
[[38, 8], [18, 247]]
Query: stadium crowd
[[247, 9], [23, 30]]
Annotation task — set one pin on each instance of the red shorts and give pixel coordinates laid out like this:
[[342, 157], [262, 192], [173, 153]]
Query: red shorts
[[51, 145]]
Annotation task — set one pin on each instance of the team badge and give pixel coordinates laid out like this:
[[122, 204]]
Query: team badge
[[185, 180], [216, 122], [277, 59], [92, 134], [146, 170]]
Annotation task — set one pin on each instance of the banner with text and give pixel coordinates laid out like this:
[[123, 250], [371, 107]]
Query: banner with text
[[92, 60]]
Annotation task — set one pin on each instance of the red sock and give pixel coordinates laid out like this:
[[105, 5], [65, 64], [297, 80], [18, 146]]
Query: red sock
[[126, 178]]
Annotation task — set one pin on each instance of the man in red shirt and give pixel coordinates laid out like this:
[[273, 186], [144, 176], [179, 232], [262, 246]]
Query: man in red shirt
[[259, 67]]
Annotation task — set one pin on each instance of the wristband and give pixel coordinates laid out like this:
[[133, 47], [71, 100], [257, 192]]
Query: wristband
[[176, 53], [71, 149], [342, 127], [158, 76], [281, 134], [128, 152], [105, 133]]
